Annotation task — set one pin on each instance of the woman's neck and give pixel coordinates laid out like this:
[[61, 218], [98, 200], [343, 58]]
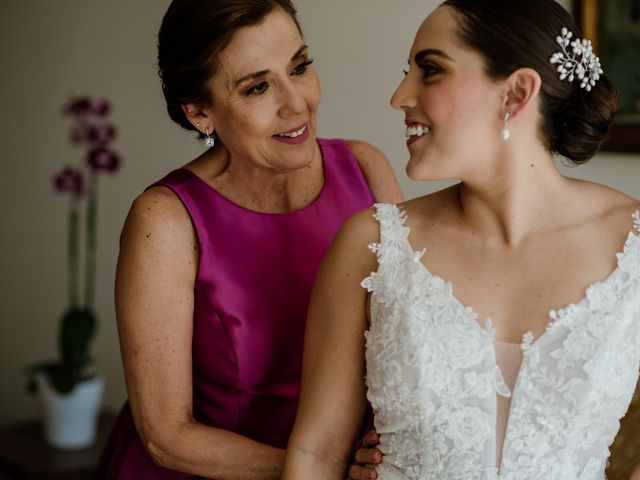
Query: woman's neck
[[520, 196], [258, 187]]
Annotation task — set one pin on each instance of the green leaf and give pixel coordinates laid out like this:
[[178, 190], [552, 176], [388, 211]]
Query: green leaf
[[62, 377], [77, 330]]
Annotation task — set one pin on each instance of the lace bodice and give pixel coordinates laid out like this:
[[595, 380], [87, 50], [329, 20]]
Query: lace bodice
[[433, 381]]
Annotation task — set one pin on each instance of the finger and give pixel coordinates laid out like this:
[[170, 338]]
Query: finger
[[357, 472], [368, 456], [370, 439]]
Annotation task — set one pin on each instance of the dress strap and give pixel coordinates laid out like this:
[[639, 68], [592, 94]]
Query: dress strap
[[629, 258], [392, 230], [393, 247]]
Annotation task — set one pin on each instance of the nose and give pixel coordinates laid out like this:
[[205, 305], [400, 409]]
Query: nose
[[404, 97], [293, 99]]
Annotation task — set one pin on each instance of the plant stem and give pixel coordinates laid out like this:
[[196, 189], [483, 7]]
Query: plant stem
[[90, 266], [72, 252]]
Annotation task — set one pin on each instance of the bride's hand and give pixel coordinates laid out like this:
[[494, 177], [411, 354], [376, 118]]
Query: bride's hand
[[366, 457]]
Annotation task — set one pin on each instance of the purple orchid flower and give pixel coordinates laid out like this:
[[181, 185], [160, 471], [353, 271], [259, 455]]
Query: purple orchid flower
[[78, 106], [102, 134], [69, 180], [102, 159], [101, 108]]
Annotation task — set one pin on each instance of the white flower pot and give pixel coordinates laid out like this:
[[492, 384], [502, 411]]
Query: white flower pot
[[70, 421]]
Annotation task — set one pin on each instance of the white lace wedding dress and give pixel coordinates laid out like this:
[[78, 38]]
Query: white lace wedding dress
[[433, 380]]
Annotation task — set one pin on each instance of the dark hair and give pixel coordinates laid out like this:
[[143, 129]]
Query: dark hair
[[513, 34], [192, 34]]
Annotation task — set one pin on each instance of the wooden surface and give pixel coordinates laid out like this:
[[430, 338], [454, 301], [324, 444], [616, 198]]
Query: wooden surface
[[25, 455]]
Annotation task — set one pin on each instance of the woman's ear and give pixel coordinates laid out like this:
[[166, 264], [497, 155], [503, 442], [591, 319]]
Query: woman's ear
[[523, 87], [198, 117]]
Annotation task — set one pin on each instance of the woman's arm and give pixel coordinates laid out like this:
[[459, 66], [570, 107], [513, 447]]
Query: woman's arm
[[154, 308], [333, 391], [377, 172]]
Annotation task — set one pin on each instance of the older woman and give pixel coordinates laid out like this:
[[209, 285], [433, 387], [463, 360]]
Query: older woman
[[217, 258]]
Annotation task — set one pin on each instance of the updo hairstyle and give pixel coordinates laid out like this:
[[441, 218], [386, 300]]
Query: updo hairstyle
[[192, 34], [513, 34]]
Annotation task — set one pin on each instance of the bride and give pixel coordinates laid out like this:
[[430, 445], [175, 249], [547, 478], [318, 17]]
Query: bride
[[501, 323]]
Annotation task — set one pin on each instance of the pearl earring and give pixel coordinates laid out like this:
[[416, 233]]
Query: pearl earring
[[209, 141], [505, 131]]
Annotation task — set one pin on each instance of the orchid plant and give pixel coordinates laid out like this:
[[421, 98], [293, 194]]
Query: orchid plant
[[90, 130]]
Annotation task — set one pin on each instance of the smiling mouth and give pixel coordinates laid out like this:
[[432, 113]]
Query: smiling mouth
[[415, 132], [293, 133], [296, 136]]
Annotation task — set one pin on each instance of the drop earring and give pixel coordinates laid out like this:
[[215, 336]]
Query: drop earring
[[505, 134], [209, 141]]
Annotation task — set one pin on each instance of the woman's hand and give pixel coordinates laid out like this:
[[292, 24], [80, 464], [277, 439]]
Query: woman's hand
[[366, 456]]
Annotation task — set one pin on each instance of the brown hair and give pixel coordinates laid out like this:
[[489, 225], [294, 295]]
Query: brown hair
[[513, 34], [192, 34]]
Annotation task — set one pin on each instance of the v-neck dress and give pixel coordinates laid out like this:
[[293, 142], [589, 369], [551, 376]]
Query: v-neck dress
[[434, 379], [251, 292]]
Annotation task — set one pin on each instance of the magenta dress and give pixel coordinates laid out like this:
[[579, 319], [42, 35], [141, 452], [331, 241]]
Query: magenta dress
[[251, 295]]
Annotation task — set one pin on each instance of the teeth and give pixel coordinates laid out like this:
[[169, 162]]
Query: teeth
[[295, 134], [416, 131]]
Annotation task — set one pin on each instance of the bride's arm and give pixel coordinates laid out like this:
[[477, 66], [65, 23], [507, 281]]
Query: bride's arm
[[635, 475], [333, 393]]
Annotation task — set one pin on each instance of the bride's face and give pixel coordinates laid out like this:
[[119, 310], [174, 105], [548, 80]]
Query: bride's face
[[452, 108]]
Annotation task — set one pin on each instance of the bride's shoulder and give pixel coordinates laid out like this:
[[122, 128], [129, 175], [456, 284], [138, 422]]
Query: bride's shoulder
[[363, 229], [609, 208], [429, 210]]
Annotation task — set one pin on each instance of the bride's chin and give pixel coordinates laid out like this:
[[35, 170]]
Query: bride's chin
[[417, 170]]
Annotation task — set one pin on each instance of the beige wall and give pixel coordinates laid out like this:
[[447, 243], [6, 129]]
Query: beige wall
[[51, 49]]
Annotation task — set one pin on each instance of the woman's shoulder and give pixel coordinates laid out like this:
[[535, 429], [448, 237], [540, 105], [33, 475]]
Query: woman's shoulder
[[157, 200], [607, 207], [157, 212], [433, 209], [361, 228]]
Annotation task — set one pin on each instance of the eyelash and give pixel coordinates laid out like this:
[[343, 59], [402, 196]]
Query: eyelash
[[262, 87], [302, 67], [428, 70]]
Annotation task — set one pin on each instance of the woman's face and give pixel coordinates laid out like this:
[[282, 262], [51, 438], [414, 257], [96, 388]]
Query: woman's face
[[452, 108], [265, 96]]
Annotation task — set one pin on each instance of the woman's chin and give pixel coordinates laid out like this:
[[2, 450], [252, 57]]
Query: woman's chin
[[418, 170]]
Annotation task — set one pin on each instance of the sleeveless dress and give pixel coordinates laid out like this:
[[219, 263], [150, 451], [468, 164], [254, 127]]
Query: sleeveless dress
[[433, 379], [251, 295]]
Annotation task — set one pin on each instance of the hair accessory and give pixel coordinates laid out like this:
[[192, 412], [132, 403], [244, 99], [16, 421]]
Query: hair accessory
[[505, 134], [577, 62], [209, 141]]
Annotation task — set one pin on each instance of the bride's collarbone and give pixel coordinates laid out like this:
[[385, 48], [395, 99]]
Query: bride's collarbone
[[518, 291]]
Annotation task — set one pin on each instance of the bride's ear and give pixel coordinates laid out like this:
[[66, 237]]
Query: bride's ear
[[522, 89]]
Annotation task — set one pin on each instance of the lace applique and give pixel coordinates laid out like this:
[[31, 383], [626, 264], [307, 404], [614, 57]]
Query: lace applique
[[432, 376]]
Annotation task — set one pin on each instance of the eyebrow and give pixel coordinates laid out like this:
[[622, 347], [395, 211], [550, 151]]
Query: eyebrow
[[431, 51], [251, 76]]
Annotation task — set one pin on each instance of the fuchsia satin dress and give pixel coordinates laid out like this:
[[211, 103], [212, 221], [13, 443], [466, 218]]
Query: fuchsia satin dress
[[251, 296]]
